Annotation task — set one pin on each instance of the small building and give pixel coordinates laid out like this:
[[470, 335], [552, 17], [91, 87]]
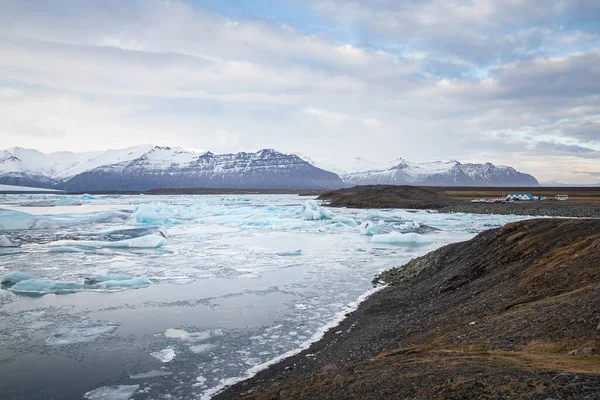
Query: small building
[[561, 197], [520, 197]]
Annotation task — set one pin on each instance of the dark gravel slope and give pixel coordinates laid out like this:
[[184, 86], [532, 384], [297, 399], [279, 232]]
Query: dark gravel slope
[[491, 318]]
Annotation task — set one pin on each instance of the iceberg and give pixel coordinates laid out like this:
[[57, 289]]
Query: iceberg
[[12, 278], [16, 220], [5, 242], [116, 282], [369, 228], [311, 211], [87, 196], [344, 220], [66, 201], [81, 332], [23, 283], [119, 392], [142, 242], [39, 286], [402, 238], [409, 225], [163, 214]]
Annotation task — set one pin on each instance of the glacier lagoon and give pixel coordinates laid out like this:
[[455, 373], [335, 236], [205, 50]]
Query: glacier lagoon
[[177, 296]]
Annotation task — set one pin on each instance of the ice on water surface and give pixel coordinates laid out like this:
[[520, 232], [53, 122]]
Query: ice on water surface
[[120, 392], [80, 332], [226, 283]]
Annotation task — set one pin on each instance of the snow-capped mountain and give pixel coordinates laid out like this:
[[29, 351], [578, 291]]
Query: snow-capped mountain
[[438, 173], [147, 167]]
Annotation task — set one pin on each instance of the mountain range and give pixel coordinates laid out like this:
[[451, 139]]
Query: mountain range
[[147, 167]]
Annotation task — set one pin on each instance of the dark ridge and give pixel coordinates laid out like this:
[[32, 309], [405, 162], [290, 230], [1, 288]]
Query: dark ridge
[[387, 196]]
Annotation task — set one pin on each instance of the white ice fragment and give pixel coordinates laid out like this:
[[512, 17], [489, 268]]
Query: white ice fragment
[[181, 334], [155, 373], [202, 348], [164, 355], [409, 225], [120, 392], [201, 379], [14, 277], [402, 238], [369, 228], [311, 211], [39, 286], [80, 332], [344, 220], [5, 242], [142, 242], [66, 249], [294, 253]]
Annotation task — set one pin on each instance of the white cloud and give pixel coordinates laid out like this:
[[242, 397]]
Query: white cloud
[[170, 73], [326, 116]]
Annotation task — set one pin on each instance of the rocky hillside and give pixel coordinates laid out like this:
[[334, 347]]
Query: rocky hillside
[[513, 313], [452, 173], [387, 196]]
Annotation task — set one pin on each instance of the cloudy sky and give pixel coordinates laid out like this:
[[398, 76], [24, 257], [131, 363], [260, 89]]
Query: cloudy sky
[[514, 82]]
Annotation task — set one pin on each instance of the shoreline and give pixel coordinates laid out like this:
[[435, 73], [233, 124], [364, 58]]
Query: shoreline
[[321, 332], [394, 330]]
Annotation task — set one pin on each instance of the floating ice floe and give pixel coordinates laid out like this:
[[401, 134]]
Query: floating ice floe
[[155, 373], [87, 196], [311, 211], [164, 214], [24, 283], [120, 392], [16, 220], [14, 277], [164, 355], [39, 286], [202, 348], [344, 220], [66, 249], [5, 242], [186, 336], [369, 228], [294, 253], [81, 332], [402, 238], [67, 201], [409, 225], [142, 242]]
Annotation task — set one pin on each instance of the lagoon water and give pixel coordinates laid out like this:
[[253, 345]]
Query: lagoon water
[[156, 297]]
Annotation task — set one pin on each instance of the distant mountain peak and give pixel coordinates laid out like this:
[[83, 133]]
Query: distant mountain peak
[[441, 173]]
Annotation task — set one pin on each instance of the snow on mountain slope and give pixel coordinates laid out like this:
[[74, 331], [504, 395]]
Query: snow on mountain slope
[[438, 173], [166, 167], [146, 167], [19, 166]]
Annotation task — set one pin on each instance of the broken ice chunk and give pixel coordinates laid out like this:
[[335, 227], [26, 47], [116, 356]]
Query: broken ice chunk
[[15, 277], [80, 332], [164, 355], [120, 392]]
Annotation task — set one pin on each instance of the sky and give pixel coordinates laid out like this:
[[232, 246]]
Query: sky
[[514, 82]]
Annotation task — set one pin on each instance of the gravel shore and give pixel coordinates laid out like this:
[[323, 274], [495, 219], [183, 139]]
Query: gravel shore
[[509, 314], [533, 209]]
